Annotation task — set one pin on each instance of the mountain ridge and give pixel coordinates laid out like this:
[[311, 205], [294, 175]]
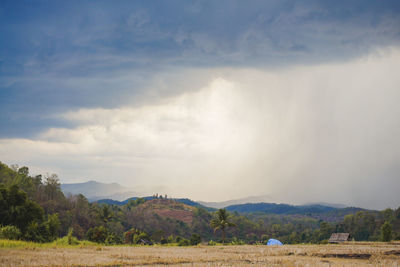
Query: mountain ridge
[[116, 194]]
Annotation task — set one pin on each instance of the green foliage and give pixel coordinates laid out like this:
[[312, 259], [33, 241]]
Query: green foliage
[[70, 238], [43, 232], [42, 213], [97, 234], [195, 239], [16, 209], [135, 236], [211, 243], [184, 242], [106, 213], [60, 242], [128, 235], [221, 222], [324, 232], [113, 239], [236, 241], [141, 238], [170, 239], [54, 225], [36, 233], [386, 231], [10, 232], [264, 238], [388, 215], [157, 235], [133, 203]]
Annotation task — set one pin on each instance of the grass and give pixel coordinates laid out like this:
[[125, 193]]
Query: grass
[[59, 243], [59, 254]]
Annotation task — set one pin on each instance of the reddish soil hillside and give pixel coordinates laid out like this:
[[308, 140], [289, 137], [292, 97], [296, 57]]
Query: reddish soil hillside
[[168, 208]]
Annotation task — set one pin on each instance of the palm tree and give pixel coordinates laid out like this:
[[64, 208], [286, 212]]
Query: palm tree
[[106, 214], [221, 222]]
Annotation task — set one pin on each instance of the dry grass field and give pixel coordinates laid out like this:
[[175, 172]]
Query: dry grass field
[[355, 254]]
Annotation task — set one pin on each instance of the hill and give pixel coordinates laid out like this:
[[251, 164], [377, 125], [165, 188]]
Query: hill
[[167, 208], [223, 204], [168, 219], [185, 201], [315, 211], [273, 208]]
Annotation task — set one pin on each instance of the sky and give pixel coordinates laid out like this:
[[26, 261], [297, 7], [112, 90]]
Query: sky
[[211, 100]]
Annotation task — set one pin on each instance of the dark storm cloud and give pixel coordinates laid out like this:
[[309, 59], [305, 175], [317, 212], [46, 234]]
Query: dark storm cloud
[[58, 56]]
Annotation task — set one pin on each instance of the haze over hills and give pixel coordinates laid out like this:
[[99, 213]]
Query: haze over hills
[[316, 211], [264, 199], [94, 190], [333, 205], [223, 204], [114, 193], [185, 201]]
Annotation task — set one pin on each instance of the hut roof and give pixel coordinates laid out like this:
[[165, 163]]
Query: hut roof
[[339, 237]]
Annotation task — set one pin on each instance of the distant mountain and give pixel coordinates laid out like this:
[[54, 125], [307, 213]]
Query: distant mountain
[[327, 204], [95, 190], [223, 204], [316, 211], [279, 208]]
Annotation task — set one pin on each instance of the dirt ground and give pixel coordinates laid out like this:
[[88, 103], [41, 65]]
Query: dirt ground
[[363, 254]]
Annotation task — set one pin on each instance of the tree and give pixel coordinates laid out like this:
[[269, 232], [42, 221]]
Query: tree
[[16, 209], [52, 186], [386, 231], [195, 239], [221, 222], [97, 234], [106, 214], [325, 231], [54, 225], [388, 215]]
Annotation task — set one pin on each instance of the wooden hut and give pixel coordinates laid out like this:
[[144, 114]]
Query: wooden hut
[[339, 237]]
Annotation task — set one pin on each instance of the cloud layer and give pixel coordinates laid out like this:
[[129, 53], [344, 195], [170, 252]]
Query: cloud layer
[[57, 57], [322, 132]]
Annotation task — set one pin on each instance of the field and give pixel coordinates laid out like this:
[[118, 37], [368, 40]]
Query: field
[[352, 254]]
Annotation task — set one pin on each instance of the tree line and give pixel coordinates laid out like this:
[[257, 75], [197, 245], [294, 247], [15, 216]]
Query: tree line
[[34, 208]]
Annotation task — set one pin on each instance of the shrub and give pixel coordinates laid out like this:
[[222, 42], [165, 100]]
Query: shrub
[[10, 232], [236, 241], [136, 236], [184, 242], [171, 239], [97, 234], [212, 243], [386, 231], [140, 238], [128, 235], [37, 232], [66, 240], [53, 225], [264, 238], [69, 236], [195, 239], [113, 239]]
